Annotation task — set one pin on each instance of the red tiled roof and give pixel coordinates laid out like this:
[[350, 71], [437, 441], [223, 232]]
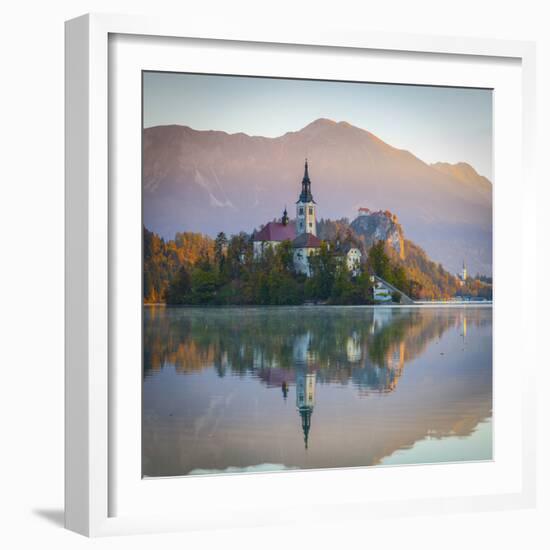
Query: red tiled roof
[[306, 240], [276, 231]]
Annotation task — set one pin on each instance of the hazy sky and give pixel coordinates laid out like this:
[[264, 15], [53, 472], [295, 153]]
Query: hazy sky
[[435, 124]]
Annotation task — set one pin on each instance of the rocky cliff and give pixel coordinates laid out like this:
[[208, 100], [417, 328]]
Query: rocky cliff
[[381, 225]]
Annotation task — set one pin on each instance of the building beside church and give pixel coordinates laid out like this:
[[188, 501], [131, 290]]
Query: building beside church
[[302, 234], [349, 255]]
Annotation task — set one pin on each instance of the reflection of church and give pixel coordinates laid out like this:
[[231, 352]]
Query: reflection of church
[[373, 368], [305, 399]]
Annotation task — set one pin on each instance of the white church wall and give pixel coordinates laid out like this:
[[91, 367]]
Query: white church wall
[[301, 260], [258, 247]]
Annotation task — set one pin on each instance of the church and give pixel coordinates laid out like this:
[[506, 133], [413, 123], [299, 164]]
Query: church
[[302, 234]]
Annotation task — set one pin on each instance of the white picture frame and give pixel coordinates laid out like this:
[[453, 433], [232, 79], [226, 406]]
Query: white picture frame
[[93, 387]]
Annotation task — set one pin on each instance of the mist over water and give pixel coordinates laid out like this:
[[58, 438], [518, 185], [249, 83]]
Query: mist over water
[[228, 390]]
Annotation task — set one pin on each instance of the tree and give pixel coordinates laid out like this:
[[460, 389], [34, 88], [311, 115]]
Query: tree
[[284, 258], [180, 287], [220, 249], [322, 266], [204, 285], [379, 261], [239, 256], [343, 287], [400, 281]]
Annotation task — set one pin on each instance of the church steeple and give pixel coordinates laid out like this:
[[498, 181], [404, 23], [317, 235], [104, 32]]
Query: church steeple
[[305, 207], [305, 195]]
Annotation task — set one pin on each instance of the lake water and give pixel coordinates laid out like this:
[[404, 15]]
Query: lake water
[[262, 389]]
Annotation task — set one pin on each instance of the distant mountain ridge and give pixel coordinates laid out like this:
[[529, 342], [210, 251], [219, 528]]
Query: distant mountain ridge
[[211, 181], [463, 172]]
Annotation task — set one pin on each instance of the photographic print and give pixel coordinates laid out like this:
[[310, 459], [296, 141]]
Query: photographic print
[[317, 274]]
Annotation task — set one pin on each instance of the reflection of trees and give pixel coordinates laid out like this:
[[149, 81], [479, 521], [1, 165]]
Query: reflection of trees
[[365, 347]]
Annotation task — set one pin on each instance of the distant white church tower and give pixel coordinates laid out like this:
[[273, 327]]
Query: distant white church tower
[[306, 221], [464, 274]]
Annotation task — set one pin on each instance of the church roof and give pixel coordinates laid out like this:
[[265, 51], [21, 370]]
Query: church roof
[[276, 231], [306, 240]]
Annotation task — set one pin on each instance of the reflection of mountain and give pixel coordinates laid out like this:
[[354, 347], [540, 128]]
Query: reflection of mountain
[[365, 383]]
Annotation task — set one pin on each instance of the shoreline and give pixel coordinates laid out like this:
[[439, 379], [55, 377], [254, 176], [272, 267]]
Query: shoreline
[[371, 306]]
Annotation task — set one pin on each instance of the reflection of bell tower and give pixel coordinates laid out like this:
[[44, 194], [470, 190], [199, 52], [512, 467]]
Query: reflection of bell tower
[[305, 400]]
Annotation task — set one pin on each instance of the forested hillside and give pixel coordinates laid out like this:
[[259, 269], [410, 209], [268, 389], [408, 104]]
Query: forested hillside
[[194, 269]]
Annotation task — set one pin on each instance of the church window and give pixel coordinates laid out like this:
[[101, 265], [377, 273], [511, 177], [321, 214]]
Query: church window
[[301, 211], [310, 211], [310, 224]]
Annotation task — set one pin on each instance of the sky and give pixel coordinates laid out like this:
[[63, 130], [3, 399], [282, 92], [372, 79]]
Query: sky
[[436, 124]]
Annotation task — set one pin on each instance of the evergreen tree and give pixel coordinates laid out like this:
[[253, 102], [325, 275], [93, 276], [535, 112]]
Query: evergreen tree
[[379, 261], [342, 288], [179, 288], [204, 286], [322, 266], [220, 245]]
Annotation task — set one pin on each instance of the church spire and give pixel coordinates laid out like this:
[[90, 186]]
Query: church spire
[[305, 195]]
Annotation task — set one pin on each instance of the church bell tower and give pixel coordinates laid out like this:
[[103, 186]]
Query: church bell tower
[[306, 221]]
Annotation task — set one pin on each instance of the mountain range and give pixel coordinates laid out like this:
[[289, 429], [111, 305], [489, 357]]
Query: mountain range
[[211, 181]]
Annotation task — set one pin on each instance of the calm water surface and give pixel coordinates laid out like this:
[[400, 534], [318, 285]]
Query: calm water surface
[[263, 389]]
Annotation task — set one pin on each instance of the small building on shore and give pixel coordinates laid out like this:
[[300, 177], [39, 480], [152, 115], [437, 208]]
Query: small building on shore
[[384, 292], [381, 292]]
